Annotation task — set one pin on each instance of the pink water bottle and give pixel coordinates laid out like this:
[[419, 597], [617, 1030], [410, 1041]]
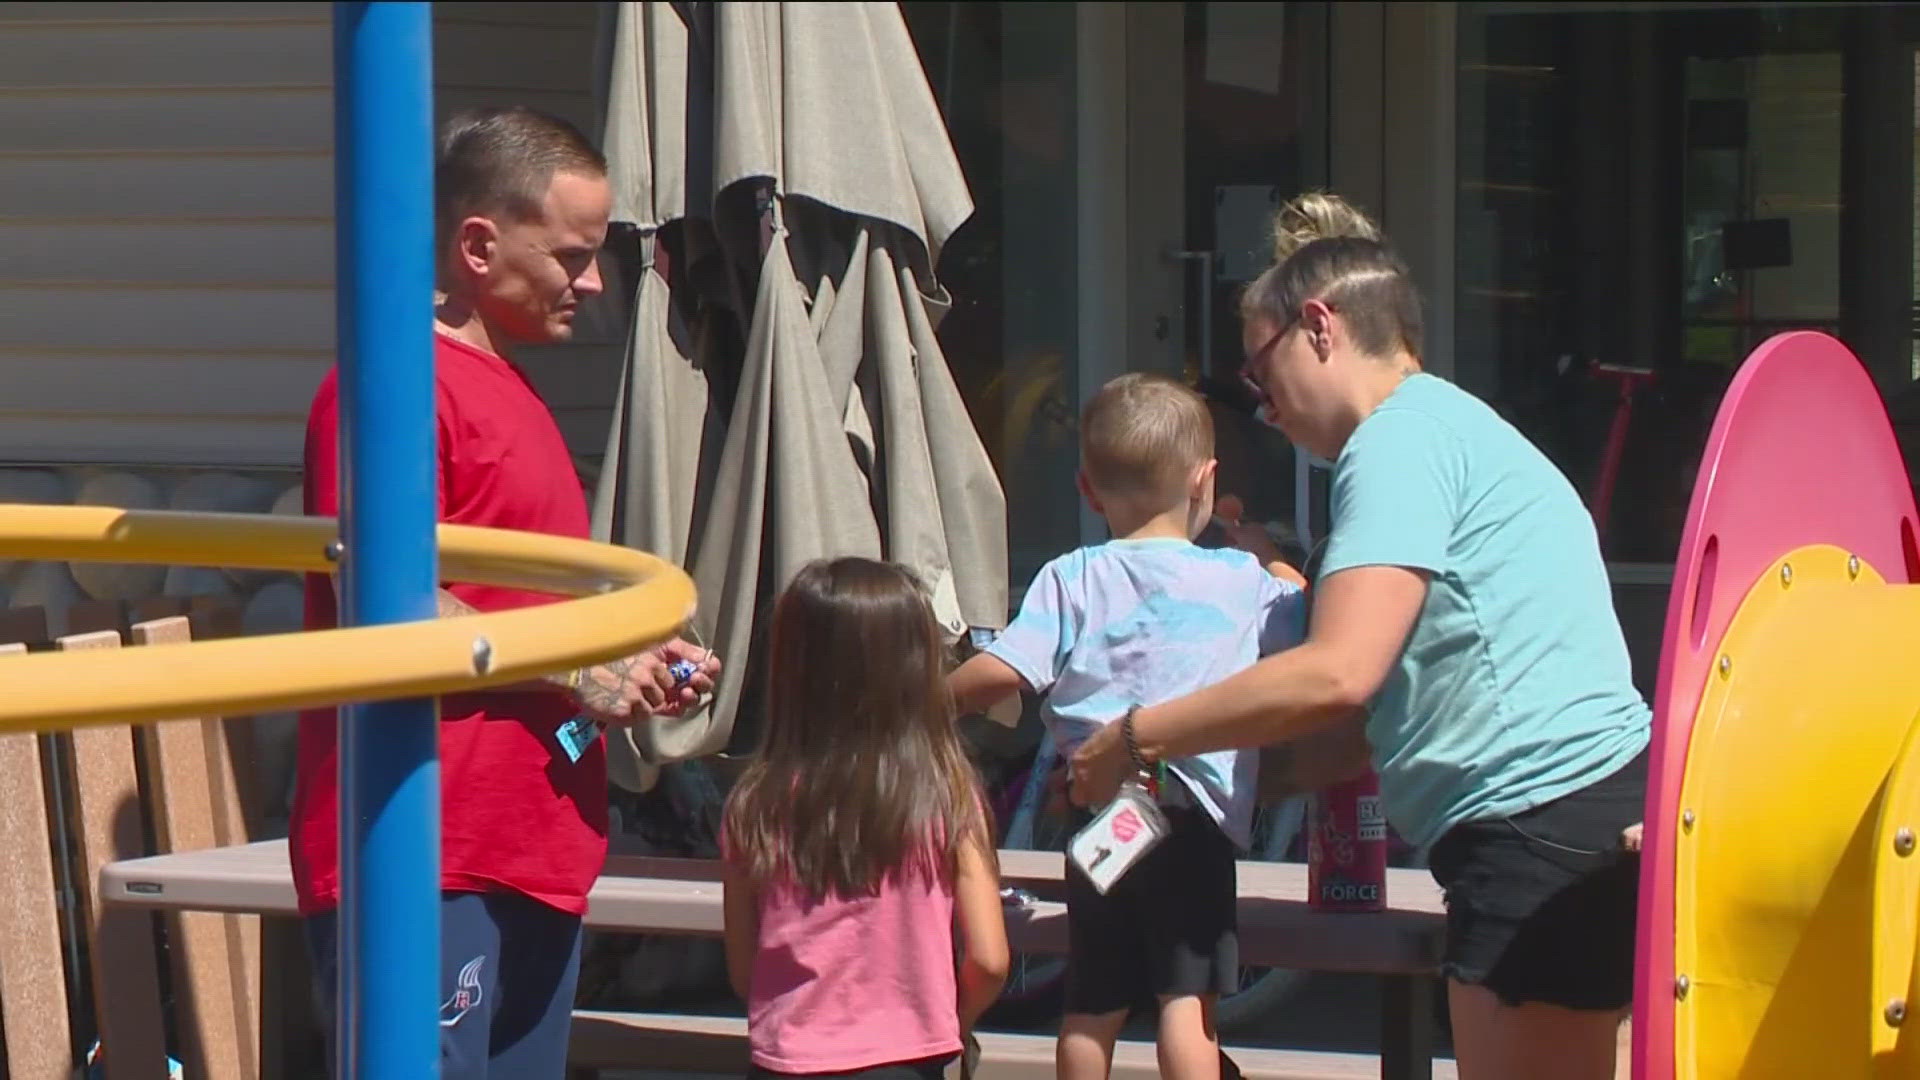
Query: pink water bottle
[[1347, 847]]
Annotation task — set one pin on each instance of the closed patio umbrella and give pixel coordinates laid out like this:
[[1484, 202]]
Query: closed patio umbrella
[[784, 396]]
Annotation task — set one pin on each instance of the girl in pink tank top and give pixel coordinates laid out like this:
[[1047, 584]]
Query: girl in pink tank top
[[857, 843]]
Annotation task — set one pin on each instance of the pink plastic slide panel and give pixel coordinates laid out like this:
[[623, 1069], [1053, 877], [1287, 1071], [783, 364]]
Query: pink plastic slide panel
[[1801, 453]]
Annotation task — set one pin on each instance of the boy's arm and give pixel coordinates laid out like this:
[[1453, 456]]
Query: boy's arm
[[1027, 655], [1281, 569], [1255, 541], [982, 682]]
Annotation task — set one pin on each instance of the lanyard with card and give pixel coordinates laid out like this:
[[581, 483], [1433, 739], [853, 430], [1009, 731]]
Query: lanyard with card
[[576, 736], [1119, 836]]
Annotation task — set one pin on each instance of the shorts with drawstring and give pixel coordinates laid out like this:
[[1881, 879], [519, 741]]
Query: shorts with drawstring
[[1167, 929], [1541, 905]]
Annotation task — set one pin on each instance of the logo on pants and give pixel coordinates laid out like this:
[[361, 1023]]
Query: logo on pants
[[466, 993]]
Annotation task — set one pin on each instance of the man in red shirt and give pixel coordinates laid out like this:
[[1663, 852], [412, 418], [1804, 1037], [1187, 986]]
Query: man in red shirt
[[521, 206]]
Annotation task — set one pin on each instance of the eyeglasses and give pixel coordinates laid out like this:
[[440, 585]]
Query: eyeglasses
[[1258, 356], [1260, 353]]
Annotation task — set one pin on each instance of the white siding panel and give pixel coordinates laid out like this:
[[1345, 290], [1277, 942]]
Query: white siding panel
[[574, 108], [164, 121], [107, 186], [213, 321], [227, 253], [146, 409], [145, 386], [166, 251], [185, 56], [512, 14], [144, 13], [542, 58], [177, 440]]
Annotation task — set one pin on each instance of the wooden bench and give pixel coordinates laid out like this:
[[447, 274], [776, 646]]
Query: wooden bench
[[680, 896], [79, 800]]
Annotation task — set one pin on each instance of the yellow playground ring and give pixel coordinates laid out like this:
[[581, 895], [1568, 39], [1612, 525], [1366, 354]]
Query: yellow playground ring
[[625, 601]]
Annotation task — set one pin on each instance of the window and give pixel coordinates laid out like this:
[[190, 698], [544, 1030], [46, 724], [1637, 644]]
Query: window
[[1659, 191]]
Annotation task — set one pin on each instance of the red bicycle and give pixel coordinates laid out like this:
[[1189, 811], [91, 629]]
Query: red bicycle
[[1630, 380]]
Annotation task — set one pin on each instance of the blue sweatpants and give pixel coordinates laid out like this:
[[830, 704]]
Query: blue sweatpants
[[508, 966]]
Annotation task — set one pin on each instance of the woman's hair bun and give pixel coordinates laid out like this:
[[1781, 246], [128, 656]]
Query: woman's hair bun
[[1318, 215]]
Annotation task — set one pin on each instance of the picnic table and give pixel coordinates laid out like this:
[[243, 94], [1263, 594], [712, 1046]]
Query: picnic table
[[1400, 945]]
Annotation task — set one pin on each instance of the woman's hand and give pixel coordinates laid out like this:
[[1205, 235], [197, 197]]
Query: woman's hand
[[1098, 767]]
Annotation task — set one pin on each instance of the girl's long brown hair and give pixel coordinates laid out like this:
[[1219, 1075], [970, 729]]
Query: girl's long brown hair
[[861, 775]]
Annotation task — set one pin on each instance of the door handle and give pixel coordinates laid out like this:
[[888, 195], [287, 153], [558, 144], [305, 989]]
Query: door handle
[[1205, 260]]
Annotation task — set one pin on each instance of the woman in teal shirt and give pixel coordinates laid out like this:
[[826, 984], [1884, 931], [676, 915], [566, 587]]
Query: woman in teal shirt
[[1463, 605]]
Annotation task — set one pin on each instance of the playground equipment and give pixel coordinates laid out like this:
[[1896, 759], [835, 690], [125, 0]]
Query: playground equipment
[[392, 656], [1780, 887]]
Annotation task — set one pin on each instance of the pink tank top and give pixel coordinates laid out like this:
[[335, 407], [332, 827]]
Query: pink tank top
[[840, 985]]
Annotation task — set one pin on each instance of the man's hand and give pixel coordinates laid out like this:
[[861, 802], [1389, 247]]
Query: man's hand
[[642, 685]]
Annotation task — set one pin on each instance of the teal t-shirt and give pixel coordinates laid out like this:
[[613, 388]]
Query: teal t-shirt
[[1515, 687]]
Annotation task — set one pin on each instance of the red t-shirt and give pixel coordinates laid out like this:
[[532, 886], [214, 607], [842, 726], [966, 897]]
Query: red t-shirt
[[516, 815]]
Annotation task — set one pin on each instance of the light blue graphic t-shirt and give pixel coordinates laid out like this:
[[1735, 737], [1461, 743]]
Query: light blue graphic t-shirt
[[1139, 622], [1515, 687]]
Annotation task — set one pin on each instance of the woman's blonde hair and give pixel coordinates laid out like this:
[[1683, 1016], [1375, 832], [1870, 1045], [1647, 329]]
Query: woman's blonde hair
[[1327, 249], [1317, 215], [862, 775]]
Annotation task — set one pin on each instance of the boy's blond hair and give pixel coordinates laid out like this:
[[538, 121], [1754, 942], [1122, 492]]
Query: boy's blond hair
[[1142, 436]]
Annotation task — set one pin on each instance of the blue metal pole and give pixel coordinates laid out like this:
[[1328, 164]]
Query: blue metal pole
[[389, 751]]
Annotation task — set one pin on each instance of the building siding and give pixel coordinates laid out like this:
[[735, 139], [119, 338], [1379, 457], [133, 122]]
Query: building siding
[[166, 232]]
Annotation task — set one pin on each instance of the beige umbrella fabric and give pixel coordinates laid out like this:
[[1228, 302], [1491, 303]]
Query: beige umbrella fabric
[[844, 432]]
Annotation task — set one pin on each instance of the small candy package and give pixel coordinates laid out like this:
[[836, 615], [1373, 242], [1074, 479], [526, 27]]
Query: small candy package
[[1118, 837]]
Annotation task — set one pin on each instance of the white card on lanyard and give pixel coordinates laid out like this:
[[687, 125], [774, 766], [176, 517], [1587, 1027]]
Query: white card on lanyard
[[1118, 837]]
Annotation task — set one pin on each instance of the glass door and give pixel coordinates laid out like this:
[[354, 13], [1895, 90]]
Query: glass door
[[1228, 119], [1225, 119]]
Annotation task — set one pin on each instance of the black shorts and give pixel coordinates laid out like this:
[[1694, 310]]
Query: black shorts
[[1541, 905], [1168, 928]]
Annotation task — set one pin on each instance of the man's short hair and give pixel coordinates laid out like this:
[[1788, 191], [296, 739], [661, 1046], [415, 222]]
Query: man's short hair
[[496, 161], [1143, 435]]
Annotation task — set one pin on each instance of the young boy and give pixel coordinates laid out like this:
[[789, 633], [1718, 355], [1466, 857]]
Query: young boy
[[1140, 619]]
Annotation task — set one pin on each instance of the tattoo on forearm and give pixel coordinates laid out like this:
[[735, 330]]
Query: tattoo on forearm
[[449, 606], [603, 688]]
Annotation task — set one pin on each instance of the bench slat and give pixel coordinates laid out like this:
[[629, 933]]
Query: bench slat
[[683, 896], [186, 760], [126, 971], [33, 986]]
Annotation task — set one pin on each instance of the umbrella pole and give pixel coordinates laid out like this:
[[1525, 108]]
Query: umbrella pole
[[387, 1009]]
